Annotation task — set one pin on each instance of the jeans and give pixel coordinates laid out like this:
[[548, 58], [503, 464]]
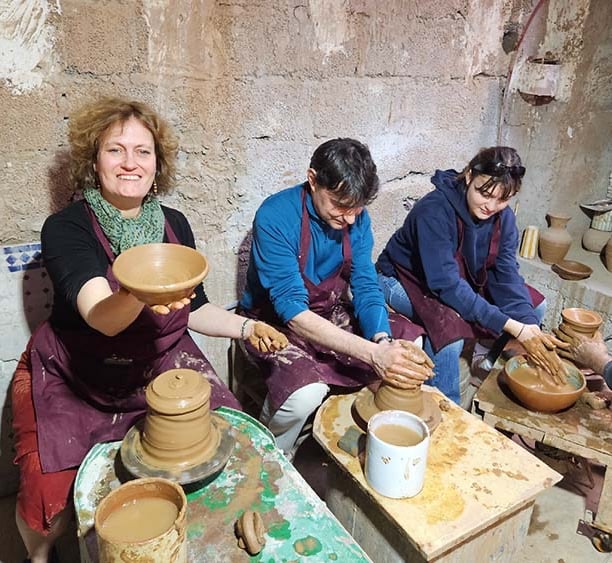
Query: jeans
[[446, 369]]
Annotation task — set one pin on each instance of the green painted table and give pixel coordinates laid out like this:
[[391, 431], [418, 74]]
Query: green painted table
[[257, 476]]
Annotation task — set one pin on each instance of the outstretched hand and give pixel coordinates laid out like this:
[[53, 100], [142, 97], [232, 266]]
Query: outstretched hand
[[174, 306], [402, 364], [266, 338]]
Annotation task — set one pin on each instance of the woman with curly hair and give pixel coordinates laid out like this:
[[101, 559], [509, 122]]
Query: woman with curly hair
[[81, 379]]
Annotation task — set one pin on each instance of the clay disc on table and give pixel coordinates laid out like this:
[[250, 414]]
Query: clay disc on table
[[365, 408], [132, 460]]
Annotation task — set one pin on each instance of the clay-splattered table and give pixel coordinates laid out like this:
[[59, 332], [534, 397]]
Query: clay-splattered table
[[475, 505], [257, 477], [579, 430]]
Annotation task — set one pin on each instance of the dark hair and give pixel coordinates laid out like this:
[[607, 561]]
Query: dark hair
[[89, 123], [504, 166], [345, 168]]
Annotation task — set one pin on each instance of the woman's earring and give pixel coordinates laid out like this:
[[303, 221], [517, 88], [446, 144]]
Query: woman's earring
[[154, 187]]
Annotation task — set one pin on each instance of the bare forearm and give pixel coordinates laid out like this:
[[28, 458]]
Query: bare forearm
[[315, 328], [212, 320], [108, 312]]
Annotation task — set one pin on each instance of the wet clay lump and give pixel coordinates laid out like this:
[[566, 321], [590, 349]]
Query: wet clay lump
[[397, 435], [178, 432], [140, 519]]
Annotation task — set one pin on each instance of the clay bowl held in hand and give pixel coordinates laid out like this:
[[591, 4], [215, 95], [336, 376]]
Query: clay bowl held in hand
[[160, 273], [582, 321], [570, 270], [538, 396]]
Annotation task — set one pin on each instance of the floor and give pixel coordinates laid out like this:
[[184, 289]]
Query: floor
[[552, 534]]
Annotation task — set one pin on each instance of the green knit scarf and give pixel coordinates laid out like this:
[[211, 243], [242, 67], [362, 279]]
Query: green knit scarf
[[122, 232]]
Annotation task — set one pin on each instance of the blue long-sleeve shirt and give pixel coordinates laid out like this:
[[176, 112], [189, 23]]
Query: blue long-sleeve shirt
[[428, 240], [273, 274]]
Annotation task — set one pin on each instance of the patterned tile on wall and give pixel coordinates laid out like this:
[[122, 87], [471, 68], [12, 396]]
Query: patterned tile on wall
[[21, 257], [25, 299]]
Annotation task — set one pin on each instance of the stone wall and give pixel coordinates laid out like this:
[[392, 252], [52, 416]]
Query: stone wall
[[252, 87]]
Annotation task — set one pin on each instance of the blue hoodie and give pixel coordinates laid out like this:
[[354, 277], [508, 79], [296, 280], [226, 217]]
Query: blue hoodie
[[426, 245]]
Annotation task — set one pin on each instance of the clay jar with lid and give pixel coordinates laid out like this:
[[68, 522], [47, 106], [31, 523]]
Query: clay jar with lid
[[582, 321], [178, 432], [555, 241]]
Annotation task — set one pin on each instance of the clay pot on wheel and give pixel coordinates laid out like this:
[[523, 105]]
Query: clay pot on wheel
[[555, 241]]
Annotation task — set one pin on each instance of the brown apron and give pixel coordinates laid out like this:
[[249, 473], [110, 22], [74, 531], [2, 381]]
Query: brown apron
[[89, 388], [304, 362], [442, 323]]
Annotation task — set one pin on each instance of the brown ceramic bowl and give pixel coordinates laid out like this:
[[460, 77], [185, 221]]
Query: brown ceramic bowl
[[540, 400], [570, 270], [160, 273], [581, 320]]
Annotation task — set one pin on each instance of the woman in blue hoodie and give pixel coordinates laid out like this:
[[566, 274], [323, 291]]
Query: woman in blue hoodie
[[452, 267]]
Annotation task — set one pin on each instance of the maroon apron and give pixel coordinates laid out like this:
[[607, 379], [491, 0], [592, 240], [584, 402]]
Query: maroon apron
[[442, 323], [304, 362], [89, 388]]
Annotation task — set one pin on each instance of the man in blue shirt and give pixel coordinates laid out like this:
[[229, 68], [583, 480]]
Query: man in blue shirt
[[311, 275]]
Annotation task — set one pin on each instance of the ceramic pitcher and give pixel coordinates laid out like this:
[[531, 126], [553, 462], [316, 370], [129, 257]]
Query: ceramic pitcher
[[555, 241]]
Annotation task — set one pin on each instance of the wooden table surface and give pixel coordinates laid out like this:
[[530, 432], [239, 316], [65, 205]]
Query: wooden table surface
[[579, 430], [475, 477], [257, 477]]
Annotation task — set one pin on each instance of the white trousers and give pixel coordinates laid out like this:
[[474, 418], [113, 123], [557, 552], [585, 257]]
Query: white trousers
[[288, 421]]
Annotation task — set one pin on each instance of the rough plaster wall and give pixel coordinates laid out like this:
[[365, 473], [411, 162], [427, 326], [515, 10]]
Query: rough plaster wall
[[252, 87], [566, 144]]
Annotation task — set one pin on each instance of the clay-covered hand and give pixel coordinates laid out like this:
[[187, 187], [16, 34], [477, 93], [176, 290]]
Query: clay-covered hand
[[586, 352], [175, 306], [402, 363], [266, 338], [541, 350]]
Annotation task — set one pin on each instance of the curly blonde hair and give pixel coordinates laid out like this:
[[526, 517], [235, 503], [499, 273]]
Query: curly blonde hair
[[88, 124]]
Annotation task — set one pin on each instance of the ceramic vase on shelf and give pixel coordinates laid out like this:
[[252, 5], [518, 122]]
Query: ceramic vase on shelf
[[608, 255], [555, 241], [597, 235]]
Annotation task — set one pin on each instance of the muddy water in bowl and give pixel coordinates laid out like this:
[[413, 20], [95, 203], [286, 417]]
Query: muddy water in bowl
[[538, 393], [396, 453], [142, 520]]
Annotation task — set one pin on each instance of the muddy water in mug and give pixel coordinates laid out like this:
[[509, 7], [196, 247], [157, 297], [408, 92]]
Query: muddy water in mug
[[396, 453], [398, 435]]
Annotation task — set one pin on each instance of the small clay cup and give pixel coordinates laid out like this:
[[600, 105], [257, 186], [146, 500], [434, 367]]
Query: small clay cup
[[541, 400], [160, 273], [582, 321]]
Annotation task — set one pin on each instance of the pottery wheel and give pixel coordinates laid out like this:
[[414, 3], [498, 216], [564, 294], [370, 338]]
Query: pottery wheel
[[132, 460], [365, 408]]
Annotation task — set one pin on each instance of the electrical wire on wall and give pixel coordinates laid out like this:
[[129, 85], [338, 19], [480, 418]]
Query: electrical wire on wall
[[530, 19]]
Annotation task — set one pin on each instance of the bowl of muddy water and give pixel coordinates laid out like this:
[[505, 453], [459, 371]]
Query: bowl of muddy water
[[537, 393], [160, 273]]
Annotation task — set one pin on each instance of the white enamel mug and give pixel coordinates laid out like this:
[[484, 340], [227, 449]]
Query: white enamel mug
[[393, 470]]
